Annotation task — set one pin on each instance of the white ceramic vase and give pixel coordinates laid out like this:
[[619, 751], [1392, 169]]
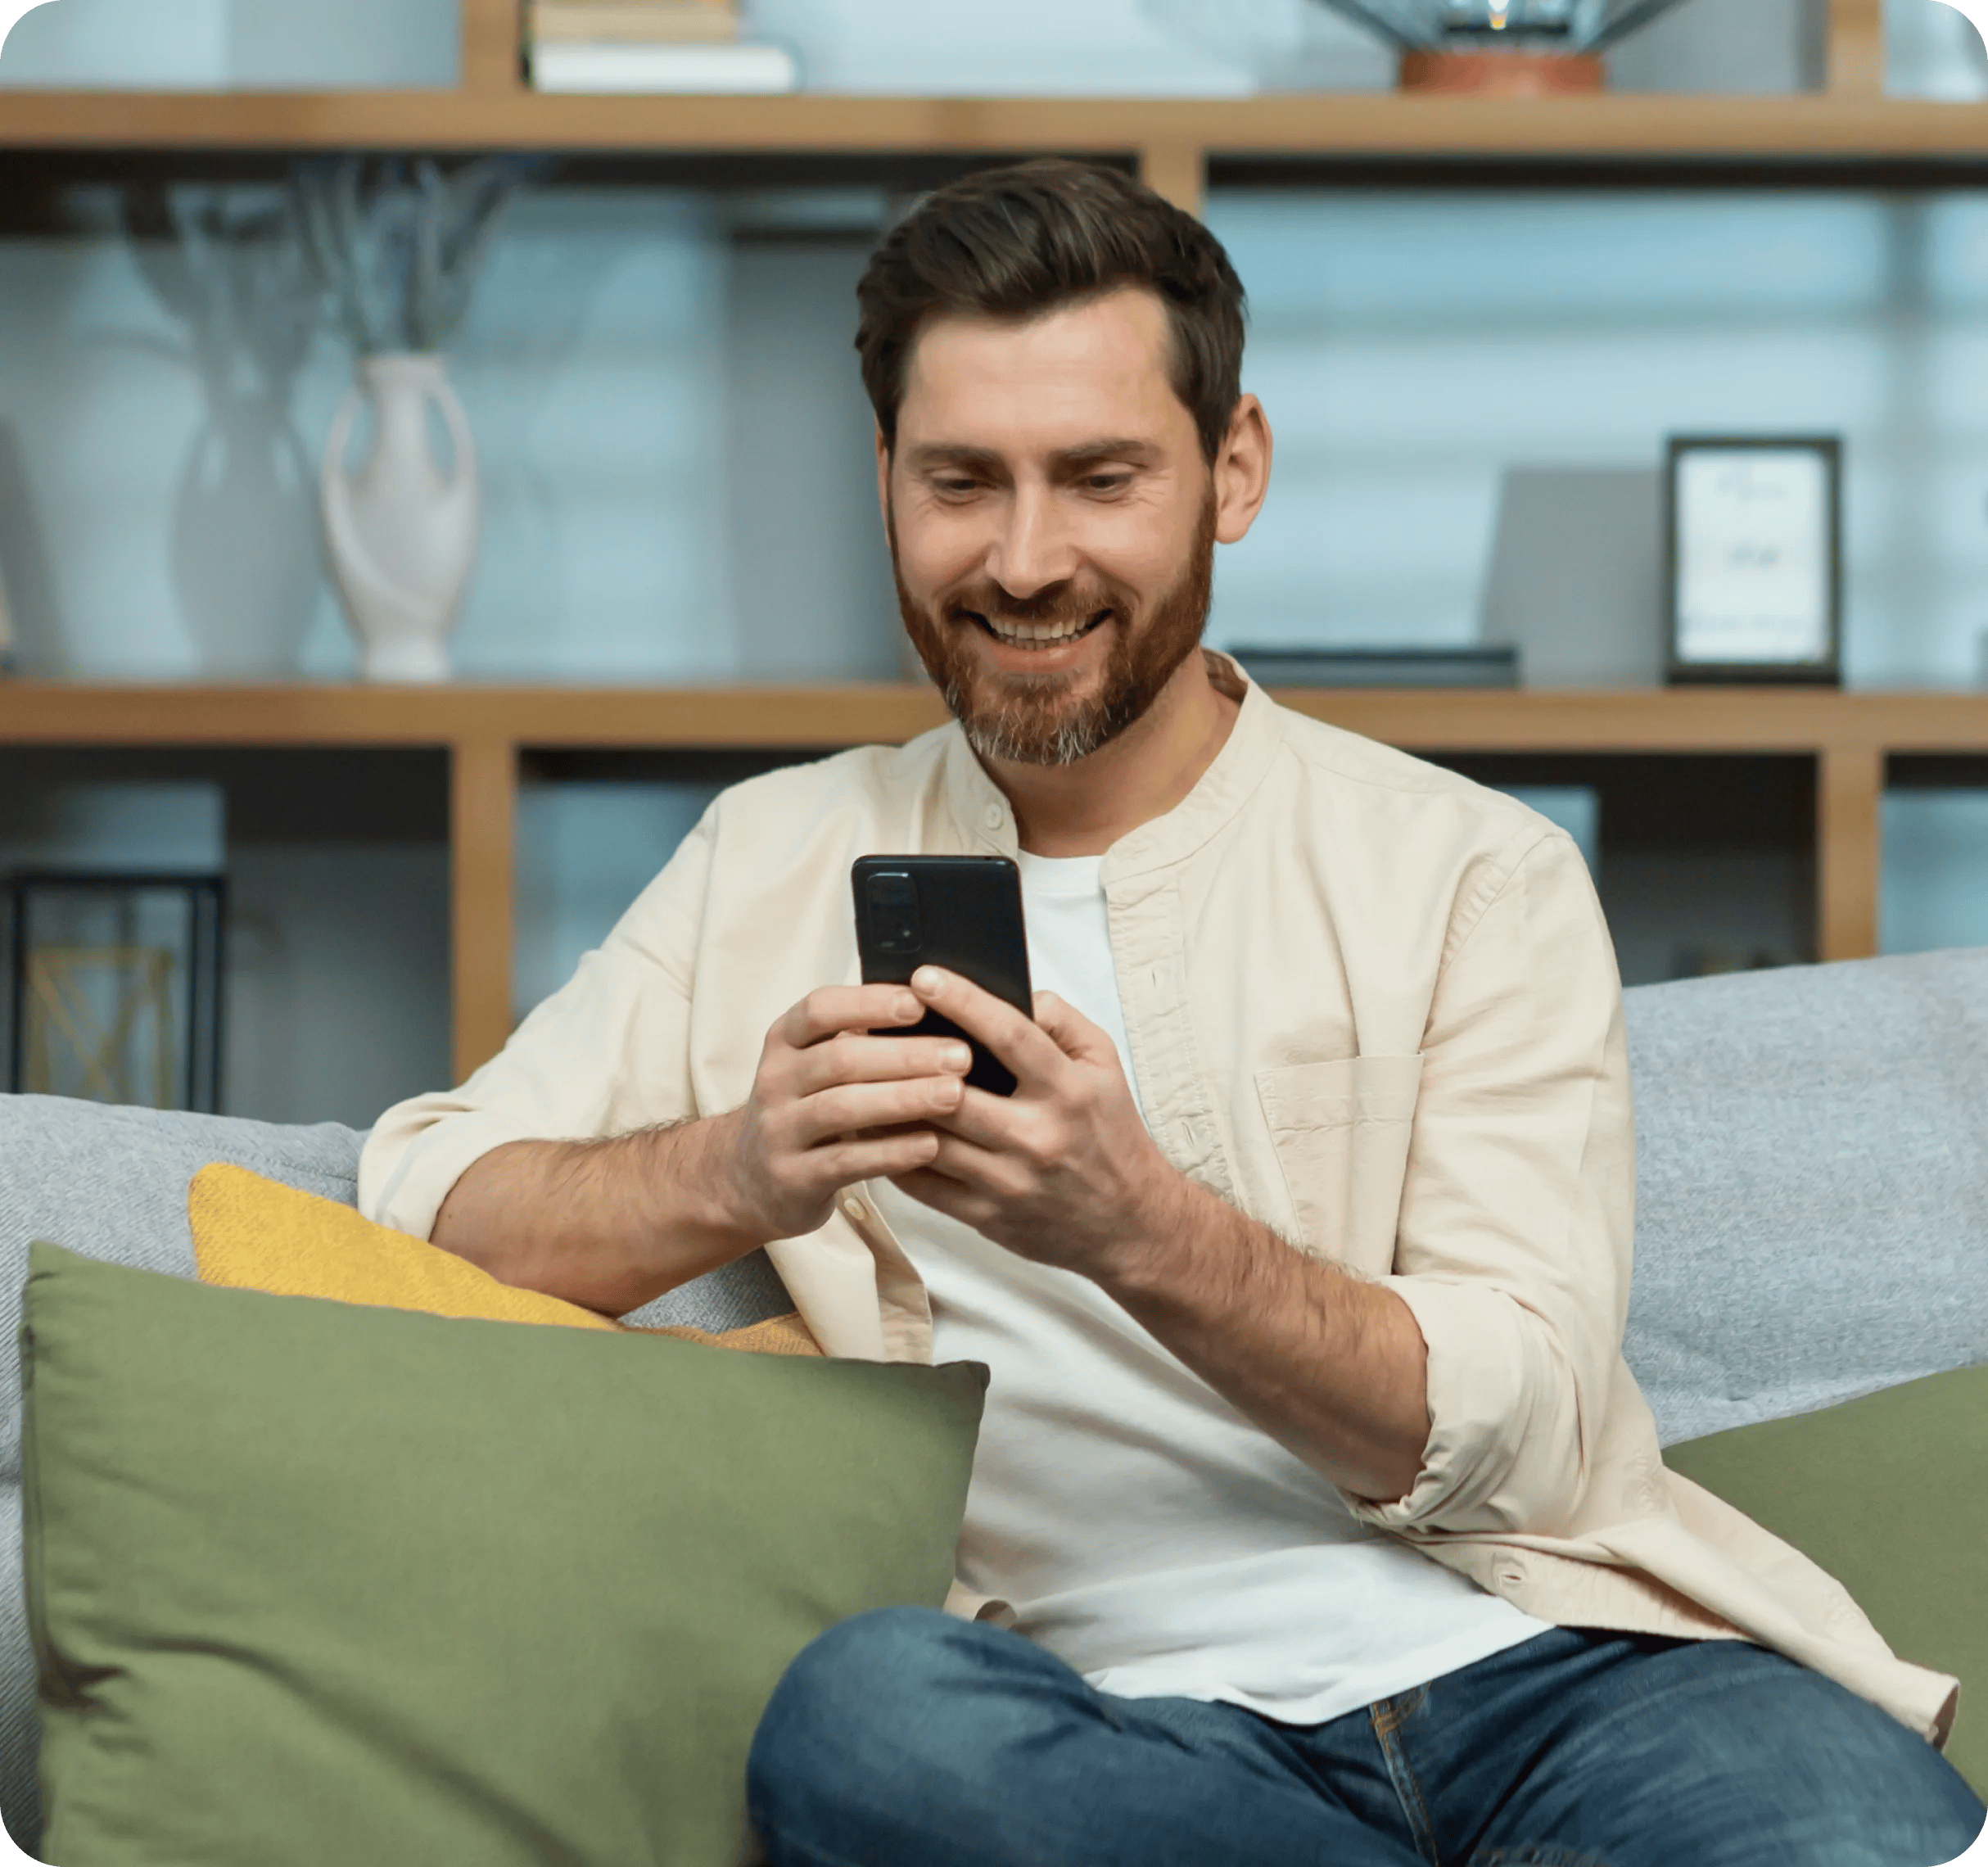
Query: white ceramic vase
[[401, 529]]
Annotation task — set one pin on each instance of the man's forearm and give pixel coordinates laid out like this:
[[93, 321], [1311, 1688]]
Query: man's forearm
[[1334, 1368], [609, 1225]]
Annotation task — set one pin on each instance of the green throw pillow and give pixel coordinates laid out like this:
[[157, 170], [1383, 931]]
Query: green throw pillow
[[1890, 1494], [312, 1583]]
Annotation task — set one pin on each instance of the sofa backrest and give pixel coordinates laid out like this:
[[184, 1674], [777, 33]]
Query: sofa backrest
[[1812, 1187], [112, 1184]]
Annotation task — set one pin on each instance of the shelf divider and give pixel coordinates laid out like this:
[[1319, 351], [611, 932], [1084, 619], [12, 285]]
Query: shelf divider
[[492, 41], [1177, 170], [1857, 48], [483, 811], [1848, 851]]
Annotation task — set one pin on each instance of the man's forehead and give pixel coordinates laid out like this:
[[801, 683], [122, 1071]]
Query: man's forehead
[[1071, 369], [1113, 345]]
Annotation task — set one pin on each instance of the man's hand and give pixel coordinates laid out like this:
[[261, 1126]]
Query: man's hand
[[1064, 1171], [832, 1105], [611, 1224]]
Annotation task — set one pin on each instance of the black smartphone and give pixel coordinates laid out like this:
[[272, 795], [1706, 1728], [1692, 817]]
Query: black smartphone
[[961, 912]]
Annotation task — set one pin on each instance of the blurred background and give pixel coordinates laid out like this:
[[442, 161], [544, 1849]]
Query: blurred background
[[1472, 364]]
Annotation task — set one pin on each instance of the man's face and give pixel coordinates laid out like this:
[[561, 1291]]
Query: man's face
[[1052, 522]]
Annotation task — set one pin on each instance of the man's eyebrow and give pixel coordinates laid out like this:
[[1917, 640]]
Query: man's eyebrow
[[924, 458], [1121, 450], [985, 459]]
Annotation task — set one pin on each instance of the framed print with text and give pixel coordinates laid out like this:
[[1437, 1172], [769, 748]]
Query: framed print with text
[[1756, 559]]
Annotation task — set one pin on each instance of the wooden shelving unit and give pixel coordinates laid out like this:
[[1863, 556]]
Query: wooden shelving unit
[[488, 731]]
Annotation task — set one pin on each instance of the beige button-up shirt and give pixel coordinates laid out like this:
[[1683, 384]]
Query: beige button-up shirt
[[1370, 1003]]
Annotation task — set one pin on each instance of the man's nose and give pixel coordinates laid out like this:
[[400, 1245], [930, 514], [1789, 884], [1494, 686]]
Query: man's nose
[[1035, 549]]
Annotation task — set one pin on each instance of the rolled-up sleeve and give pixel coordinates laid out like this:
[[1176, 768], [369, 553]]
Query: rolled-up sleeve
[[1516, 1241], [607, 1054]]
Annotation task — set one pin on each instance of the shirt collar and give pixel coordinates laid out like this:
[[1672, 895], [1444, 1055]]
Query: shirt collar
[[986, 819]]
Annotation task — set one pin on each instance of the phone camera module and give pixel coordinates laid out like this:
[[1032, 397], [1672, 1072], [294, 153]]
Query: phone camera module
[[893, 914]]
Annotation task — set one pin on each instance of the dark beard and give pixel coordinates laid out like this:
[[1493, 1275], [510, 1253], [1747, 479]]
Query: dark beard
[[1030, 719]]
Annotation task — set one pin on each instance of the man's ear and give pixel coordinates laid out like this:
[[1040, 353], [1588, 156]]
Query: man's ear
[[1242, 471], [883, 477]]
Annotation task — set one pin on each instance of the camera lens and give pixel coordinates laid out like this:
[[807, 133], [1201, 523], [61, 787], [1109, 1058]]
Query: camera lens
[[893, 914]]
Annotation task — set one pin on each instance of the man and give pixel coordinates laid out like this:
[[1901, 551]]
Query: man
[[1328, 1520]]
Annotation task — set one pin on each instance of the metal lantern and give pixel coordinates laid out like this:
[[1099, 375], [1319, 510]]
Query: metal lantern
[[115, 987], [1511, 47]]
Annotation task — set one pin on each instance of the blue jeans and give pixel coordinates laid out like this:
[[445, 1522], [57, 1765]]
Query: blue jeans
[[906, 1738]]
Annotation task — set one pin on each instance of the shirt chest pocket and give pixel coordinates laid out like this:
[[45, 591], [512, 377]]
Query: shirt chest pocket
[[1341, 1131]]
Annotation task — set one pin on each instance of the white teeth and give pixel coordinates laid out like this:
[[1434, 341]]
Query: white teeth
[[1036, 632]]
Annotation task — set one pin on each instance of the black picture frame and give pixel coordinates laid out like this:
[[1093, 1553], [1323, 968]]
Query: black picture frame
[[198, 1071], [1825, 669]]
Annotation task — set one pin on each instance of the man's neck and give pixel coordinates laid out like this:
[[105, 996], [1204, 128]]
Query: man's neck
[[1082, 809]]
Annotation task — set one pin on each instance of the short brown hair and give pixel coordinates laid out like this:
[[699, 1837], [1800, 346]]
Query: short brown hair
[[1017, 243]]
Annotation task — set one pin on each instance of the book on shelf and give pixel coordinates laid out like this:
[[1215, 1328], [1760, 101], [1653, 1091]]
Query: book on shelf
[[632, 22], [651, 46], [1461, 666], [718, 69]]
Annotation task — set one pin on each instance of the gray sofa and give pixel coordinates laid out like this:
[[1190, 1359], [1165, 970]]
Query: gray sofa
[[1812, 1222]]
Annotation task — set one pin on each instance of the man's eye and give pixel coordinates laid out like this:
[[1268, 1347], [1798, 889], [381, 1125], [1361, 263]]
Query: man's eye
[[1106, 482], [956, 489]]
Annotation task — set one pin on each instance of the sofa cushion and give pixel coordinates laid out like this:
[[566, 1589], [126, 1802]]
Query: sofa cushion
[[250, 1233], [1890, 1494], [1811, 1209], [316, 1582]]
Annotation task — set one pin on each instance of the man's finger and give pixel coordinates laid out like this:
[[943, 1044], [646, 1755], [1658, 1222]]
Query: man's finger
[[850, 1108], [1030, 1052], [831, 1009], [987, 1121], [972, 1210], [986, 1172], [1072, 1032], [889, 1157], [853, 1057]]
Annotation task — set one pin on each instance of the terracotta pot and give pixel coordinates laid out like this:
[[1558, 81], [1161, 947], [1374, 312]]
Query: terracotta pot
[[1503, 73]]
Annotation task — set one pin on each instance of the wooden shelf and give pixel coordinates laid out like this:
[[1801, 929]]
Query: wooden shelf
[[1175, 138], [1676, 719], [487, 730], [1624, 126]]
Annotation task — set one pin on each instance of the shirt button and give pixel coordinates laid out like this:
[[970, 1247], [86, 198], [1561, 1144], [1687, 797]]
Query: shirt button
[[994, 817], [854, 1209]]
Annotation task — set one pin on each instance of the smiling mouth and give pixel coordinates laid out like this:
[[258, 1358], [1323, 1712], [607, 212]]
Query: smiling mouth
[[1039, 635]]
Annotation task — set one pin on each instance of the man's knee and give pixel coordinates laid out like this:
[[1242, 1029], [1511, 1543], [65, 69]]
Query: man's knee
[[887, 1659], [875, 1712], [859, 1697], [1765, 1755]]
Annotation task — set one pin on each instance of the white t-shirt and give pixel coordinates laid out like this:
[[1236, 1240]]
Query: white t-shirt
[[1142, 1529]]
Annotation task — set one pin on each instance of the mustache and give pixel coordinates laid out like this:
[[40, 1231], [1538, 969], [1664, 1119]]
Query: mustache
[[1060, 603]]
